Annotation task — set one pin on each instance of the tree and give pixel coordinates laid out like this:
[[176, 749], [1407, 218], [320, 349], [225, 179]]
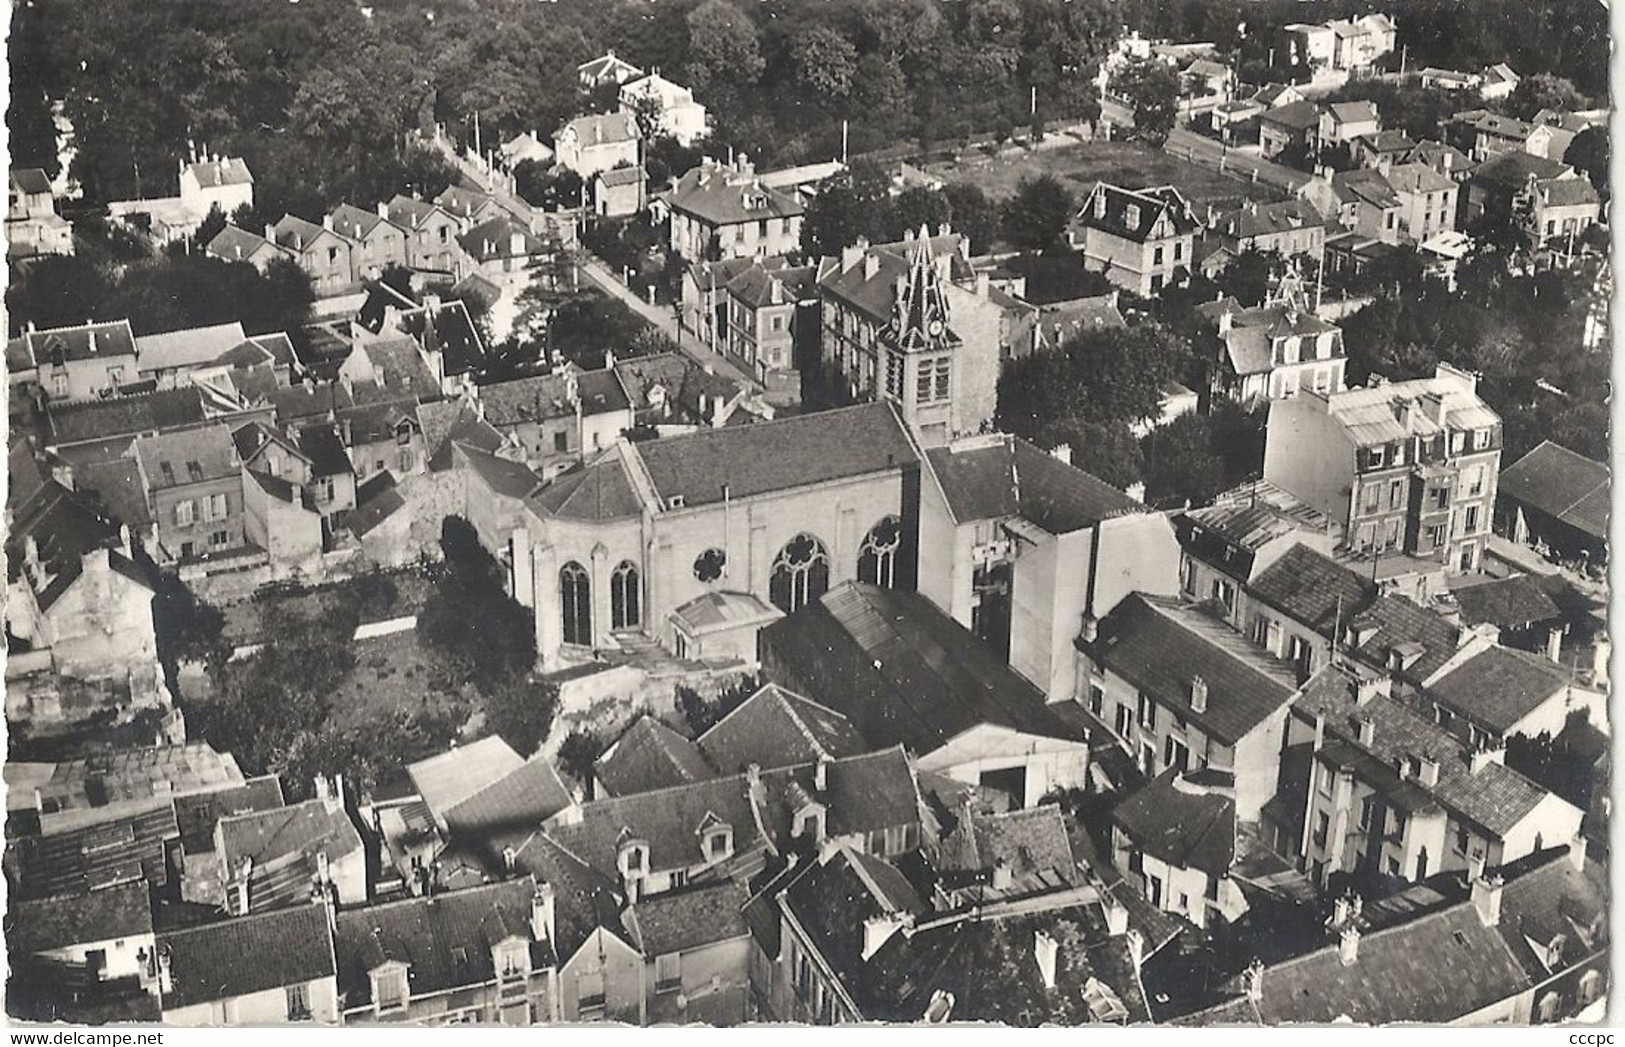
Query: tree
[[185, 628], [1248, 277], [700, 713], [853, 204], [1180, 466], [972, 214], [56, 291], [1107, 451], [1152, 89], [1544, 91], [521, 711], [918, 206], [1588, 154], [1036, 215], [1099, 376], [826, 62], [723, 48], [469, 619], [578, 753]]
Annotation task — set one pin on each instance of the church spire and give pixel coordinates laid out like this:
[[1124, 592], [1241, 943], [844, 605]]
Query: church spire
[[921, 319]]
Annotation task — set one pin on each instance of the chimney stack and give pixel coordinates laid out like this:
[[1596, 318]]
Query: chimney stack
[[821, 774], [1116, 916], [1429, 771], [1365, 730], [1045, 952], [1198, 694], [1002, 875], [1348, 946], [543, 905], [1253, 978], [1487, 899]]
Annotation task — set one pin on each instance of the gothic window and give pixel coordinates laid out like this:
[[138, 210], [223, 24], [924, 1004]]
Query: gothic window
[[708, 566], [877, 559], [575, 603], [625, 599], [800, 574]]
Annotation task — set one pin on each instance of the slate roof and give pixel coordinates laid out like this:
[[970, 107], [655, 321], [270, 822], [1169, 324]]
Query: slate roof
[[248, 954], [448, 329], [30, 180], [668, 820], [684, 382], [831, 900], [233, 244], [1267, 219], [82, 342], [1497, 798], [599, 491], [678, 921], [720, 197], [523, 798], [188, 348], [409, 213], [448, 422], [447, 779], [874, 295], [116, 485], [751, 459], [1498, 687], [501, 475], [901, 670], [541, 398], [43, 924], [300, 829], [622, 176], [1180, 824], [1151, 205], [297, 234], [196, 815], [1507, 603], [321, 443], [1312, 588], [1032, 843], [1567, 192], [301, 401], [132, 849], [1160, 645], [1418, 178], [494, 239], [1296, 117], [1434, 154], [584, 899], [1011, 477], [64, 529], [125, 415], [862, 794], [221, 171], [1562, 484], [647, 756], [1351, 112], [1510, 171], [188, 456], [1403, 628], [618, 126], [376, 501], [354, 222], [1545, 896], [777, 728], [447, 939]]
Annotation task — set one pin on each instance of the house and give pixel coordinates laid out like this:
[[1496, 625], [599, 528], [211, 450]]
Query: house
[[431, 234], [503, 245], [81, 362], [265, 969], [444, 332], [377, 244], [761, 312], [1427, 200], [677, 114], [776, 727], [324, 255], [196, 817], [607, 70], [1485, 135], [589, 144], [1434, 78], [1017, 545], [1360, 201], [1274, 96], [1499, 692], [1273, 350], [84, 957], [232, 244], [1288, 228], [1558, 499], [1516, 945], [1409, 465], [471, 207], [1235, 121], [697, 949], [282, 518], [276, 858], [89, 792], [906, 674], [216, 181], [1205, 81], [1554, 211], [167, 359], [32, 225], [724, 211], [1343, 123], [1288, 128], [526, 146], [1445, 159], [332, 484], [1141, 239], [558, 419], [193, 479], [648, 756], [619, 192], [1176, 839], [1498, 193], [1059, 322], [478, 955], [1523, 615], [1178, 688], [457, 785], [1382, 149]]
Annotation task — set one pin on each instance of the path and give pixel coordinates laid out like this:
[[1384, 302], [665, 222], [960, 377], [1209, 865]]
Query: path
[[1189, 145], [664, 321]]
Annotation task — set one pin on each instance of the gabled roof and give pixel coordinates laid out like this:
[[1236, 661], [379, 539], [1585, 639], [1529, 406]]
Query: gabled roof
[[1567, 192], [1546, 897], [196, 815], [618, 176], [1351, 112], [446, 422], [777, 728], [234, 244], [668, 820], [280, 832], [1389, 141], [1255, 220], [832, 899], [1499, 687], [751, 460], [718, 195], [447, 779], [721, 609], [221, 171], [599, 491], [1508, 603], [95, 858], [523, 798], [1562, 484], [1181, 824], [1399, 627], [602, 128], [30, 180], [682, 920], [354, 222], [247, 954], [647, 756], [1419, 178], [1134, 213], [114, 485], [496, 238], [1160, 646], [1437, 155], [1511, 170], [189, 348], [320, 442], [446, 939], [187, 456], [44, 924], [299, 235], [500, 475], [862, 794], [901, 670], [990, 479], [545, 397], [1031, 843], [82, 342], [1312, 589], [448, 329], [684, 383], [1294, 116], [409, 212]]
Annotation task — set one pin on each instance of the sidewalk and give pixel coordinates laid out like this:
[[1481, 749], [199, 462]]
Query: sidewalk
[[665, 321]]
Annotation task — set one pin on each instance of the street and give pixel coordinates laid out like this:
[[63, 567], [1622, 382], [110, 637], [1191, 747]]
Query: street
[[1189, 145]]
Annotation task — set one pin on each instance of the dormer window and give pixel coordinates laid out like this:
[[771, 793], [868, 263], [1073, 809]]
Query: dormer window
[[809, 824], [511, 959], [633, 860], [1131, 216], [718, 842], [389, 991]]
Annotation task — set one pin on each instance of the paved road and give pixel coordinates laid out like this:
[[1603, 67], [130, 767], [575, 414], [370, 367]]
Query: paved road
[[1189, 145], [664, 320]]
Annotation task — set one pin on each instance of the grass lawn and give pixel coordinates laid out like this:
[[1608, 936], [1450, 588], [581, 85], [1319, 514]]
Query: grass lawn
[[1128, 164], [396, 674], [244, 617]]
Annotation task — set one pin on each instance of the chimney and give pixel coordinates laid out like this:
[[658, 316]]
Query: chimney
[[543, 905], [1116, 916], [1348, 946], [1253, 978], [1136, 947], [516, 243], [383, 210], [1225, 322], [1487, 899], [753, 783], [323, 871], [1320, 731], [1365, 729], [1089, 630], [1429, 771], [1198, 695], [821, 774], [324, 789], [1045, 951], [1475, 867], [984, 281], [871, 266], [1554, 644], [510, 858], [270, 230], [91, 334], [1367, 689], [1340, 911], [1577, 853], [327, 222], [1483, 756], [1002, 875], [245, 868]]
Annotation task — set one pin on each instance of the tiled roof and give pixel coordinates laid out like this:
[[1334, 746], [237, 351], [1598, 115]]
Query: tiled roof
[[1032, 843], [1184, 826], [248, 954], [221, 171], [862, 794], [901, 670], [1402, 628], [682, 380], [354, 222], [678, 921], [603, 128], [494, 239], [133, 849], [1418, 178], [1509, 602], [1567, 192], [1510, 171], [447, 779], [501, 475], [448, 329], [1267, 219], [751, 460], [1553, 899], [376, 501], [189, 348], [1160, 646], [1352, 112], [64, 529], [188, 456], [647, 756], [116, 486], [45, 924], [197, 815], [523, 798], [1312, 589], [622, 176], [874, 294], [447, 939], [234, 244], [303, 828], [1294, 116], [1496, 798], [320, 442], [402, 370], [717, 196], [446, 422], [831, 900], [297, 234], [534, 399], [599, 491], [1561, 484], [307, 400], [668, 820], [408, 212], [777, 728], [30, 180], [1498, 687], [1149, 206], [84, 342], [989, 480]]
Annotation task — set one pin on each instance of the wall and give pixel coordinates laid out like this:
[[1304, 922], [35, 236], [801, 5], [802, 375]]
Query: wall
[[261, 1008], [945, 554], [622, 969], [729, 963], [102, 625], [1554, 821], [1183, 891], [291, 534], [1307, 453], [173, 536], [121, 954]]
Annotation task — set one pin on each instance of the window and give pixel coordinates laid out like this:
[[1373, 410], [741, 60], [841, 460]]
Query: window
[[1124, 721], [1436, 535], [219, 538], [1590, 987], [1396, 491], [185, 512], [784, 226], [922, 382], [1439, 497], [708, 566], [1458, 441], [1324, 778], [1097, 698], [1393, 534], [442, 234], [778, 324], [590, 994], [1378, 457], [1156, 283], [1148, 713], [1323, 828], [59, 384], [1175, 754], [1470, 520], [1373, 498], [1464, 840], [1546, 1009], [561, 442], [1179, 250], [761, 229], [877, 559], [894, 375], [389, 989], [1396, 825], [625, 597], [800, 574], [1156, 256], [298, 997], [187, 548], [215, 507], [668, 972], [1225, 593], [575, 603], [408, 459], [942, 378], [719, 843], [1475, 480], [1367, 809], [115, 375]]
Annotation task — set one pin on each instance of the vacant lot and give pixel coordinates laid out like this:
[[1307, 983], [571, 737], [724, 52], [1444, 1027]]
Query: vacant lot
[[244, 618], [1079, 166], [395, 674]]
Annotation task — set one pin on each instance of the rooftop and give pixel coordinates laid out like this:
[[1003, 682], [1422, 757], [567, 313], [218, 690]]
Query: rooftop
[[187, 457], [247, 954], [719, 196], [995, 478], [446, 780], [1562, 484], [647, 756], [1135, 213], [1499, 687], [777, 728], [682, 920], [1181, 824], [44, 924]]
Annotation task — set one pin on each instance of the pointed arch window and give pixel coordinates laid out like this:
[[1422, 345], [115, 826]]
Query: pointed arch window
[[877, 558], [800, 574], [625, 597], [575, 604]]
